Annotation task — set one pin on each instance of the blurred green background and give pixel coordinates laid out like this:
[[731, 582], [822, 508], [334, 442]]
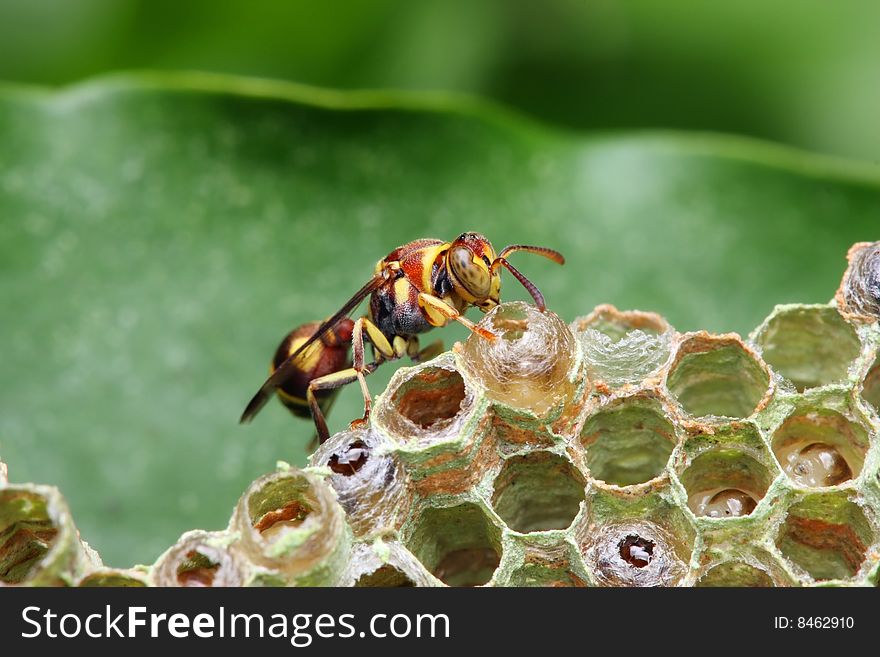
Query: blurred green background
[[803, 72], [161, 232]]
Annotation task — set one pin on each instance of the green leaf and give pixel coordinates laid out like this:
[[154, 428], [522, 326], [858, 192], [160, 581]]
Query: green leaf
[[161, 233]]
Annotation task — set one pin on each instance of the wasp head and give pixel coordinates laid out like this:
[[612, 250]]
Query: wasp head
[[469, 263]]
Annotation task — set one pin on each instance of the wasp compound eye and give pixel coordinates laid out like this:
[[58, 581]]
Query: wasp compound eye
[[474, 277]]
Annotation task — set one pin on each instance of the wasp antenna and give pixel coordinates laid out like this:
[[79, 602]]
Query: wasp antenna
[[526, 283], [550, 254]]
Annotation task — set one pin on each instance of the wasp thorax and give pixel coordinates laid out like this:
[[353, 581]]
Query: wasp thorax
[[528, 364]]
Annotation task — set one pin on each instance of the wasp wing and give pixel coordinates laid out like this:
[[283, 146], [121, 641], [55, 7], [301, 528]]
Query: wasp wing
[[287, 367]]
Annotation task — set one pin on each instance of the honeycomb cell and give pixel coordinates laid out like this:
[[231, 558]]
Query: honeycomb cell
[[385, 577], [384, 565], [726, 475], [370, 485], [27, 533], [628, 442], [623, 347], [425, 403], [859, 292], [826, 535], [735, 573], [717, 376], [635, 553], [458, 545], [871, 386], [291, 524], [818, 448], [39, 544], [537, 492], [810, 346], [198, 559], [528, 365], [110, 577], [643, 541]]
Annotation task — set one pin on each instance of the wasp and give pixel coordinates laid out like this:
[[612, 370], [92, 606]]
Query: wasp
[[419, 286], [331, 353]]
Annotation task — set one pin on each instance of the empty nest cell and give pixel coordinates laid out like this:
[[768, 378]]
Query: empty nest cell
[[629, 442], [538, 491], [810, 347], [717, 376]]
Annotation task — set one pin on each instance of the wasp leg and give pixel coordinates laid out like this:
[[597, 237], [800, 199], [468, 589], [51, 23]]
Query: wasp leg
[[421, 355], [331, 382], [438, 313], [381, 345]]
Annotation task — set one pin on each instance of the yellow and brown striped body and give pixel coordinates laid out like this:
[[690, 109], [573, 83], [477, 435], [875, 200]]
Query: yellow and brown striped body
[[329, 354]]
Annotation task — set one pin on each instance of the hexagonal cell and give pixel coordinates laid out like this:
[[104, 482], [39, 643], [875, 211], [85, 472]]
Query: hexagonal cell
[[637, 542], [717, 375], [818, 448], [110, 577], [458, 545], [871, 386], [537, 492], [425, 403], [809, 345], [27, 533], [546, 574], [726, 475], [384, 564], [370, 485], [291, 524], [384, 577], [628, 442], [198, 559], [623, 347], [826, 535], [528, 366], [735, 573]]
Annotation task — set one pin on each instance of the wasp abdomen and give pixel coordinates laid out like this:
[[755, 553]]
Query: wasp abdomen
[[325, 356]]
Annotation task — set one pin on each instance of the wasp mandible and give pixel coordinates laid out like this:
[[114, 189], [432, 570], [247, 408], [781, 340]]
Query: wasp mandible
[[421, 285]]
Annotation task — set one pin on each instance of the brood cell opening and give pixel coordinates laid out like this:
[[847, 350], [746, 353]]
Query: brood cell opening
[[27, 533], [458, 545], [809, 346], [725, 482], [637, 553], [197, 560], [623, 347], [197, 570], [385, 577], [827, 536], [628, 443], [281, 504], [820, 448], [429, 399], [538, 492], [527, 365], [348, 461], [717, 376]]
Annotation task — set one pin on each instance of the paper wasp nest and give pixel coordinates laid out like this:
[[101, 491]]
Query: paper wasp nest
[[614, 451]]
